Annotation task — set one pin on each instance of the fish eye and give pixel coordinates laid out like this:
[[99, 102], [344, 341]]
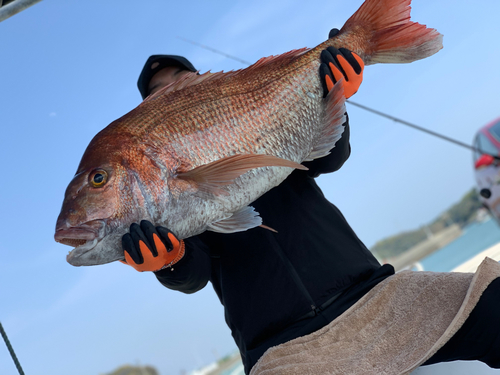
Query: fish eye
[[98, 178]]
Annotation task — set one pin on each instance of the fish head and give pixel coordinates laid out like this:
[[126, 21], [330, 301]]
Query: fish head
[[100, 203], [84, 210], [90, 208]]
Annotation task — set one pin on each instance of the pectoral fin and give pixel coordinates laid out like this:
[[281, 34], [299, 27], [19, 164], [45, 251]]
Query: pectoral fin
[[210, 177]]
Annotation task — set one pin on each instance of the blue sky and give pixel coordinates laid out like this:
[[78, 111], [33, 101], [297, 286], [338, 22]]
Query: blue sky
[[68, 68]]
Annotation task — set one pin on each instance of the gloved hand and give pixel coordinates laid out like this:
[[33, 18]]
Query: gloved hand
[[147, 248], [340, 63]]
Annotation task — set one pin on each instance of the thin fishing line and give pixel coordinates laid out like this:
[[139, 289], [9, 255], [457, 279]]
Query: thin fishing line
[[374, 111], [11, 350], [413, 126], [214, 50], [425, 130]]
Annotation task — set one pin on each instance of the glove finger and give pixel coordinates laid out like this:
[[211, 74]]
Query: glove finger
[[159, 245], [360, 62], [326, 79], [332, 33], [147, 253], [326, 56], [350, 62], [353, 59], [167, 237], [140, 241], [334, 52], [349, 72], [150, 233], [128, 260], [150, 263], [174, 241], [330, 57], [337, 73], [130, 249]]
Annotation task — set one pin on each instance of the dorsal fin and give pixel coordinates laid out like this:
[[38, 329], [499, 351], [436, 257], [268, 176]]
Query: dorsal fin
[[275, 58], [194, 79], [187, 80]]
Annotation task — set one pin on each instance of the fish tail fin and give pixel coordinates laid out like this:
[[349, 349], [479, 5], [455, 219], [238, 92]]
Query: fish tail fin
[[390, 35]]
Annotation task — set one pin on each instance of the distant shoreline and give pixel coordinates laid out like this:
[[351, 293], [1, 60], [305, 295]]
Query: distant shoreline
[[460, 214]]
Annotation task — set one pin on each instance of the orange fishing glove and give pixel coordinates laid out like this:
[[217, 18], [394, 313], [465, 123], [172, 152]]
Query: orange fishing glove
[[341, 63], [147, 248]]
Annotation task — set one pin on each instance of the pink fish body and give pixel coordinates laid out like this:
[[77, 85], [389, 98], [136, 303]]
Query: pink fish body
[[193, 156]]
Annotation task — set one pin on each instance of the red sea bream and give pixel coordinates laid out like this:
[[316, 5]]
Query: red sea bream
[[195, 155]]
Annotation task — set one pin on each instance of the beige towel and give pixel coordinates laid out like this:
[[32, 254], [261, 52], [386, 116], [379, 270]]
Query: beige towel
[[392, 330]]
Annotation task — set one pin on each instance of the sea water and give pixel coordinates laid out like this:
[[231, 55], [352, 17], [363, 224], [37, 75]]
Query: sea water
[[476, 237]]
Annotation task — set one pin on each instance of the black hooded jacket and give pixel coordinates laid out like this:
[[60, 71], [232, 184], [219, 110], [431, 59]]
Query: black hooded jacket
[[279, 286]]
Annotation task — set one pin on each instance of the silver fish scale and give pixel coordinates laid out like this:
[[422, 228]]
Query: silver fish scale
[[287, 133]]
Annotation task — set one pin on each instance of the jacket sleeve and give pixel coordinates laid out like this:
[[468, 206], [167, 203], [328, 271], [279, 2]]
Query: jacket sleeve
[[192, 272], [338, 155]]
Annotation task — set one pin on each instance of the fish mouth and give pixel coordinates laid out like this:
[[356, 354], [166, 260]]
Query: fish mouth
[[75, 236], [83, 237]]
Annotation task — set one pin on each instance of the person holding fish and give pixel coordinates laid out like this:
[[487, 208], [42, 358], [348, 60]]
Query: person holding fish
[[301, 293], [187, 265], [147, 248]]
